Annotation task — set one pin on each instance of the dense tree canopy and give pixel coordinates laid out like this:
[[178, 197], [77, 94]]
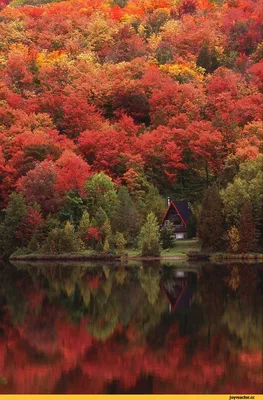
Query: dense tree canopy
[[163, 93]]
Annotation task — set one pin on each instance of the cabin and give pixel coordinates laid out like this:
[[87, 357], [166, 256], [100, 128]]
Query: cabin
[[178, 213]]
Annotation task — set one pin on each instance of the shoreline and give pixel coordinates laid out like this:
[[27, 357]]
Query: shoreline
[[197, 257], [102, 257]]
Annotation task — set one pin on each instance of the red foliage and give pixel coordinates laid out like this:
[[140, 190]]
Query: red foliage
[[72, 172], [39, 186], [93, 233], [30, 225]]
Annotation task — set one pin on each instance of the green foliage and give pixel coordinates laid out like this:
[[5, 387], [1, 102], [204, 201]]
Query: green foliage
[[73, 207], [106, 234], [33, 245], [247, 186], [167, 236], [191, 227], [149, 238], [211, 221], [120, 243], [247, 230], [84, 225], [63, 241], [101, 192], [152, 202], [99, 217], [126, 218], [207, 58], [14, 214]]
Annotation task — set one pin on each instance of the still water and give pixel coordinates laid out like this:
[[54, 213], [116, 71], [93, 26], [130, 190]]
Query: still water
[[145, 328]]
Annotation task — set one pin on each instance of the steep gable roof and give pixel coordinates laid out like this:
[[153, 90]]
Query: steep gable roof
[[182, 208]]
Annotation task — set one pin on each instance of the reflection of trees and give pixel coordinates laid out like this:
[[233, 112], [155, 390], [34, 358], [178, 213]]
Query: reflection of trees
[[246, 326], [212, 289], [120, 340], [149, 279], [12, 285]]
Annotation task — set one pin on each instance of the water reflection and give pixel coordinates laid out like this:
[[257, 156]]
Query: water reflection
[[130, 328]]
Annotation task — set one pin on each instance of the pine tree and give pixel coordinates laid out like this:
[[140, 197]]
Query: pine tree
[[211, 221], [120, 242], [168, 236], [84, 225], [14, 214], [106, 232], [126, 217], [247, 229], [149, 238]]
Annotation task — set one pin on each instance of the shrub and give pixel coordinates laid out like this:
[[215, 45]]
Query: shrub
[[233, 239], [120, 242], [149, 238], [167, 236]]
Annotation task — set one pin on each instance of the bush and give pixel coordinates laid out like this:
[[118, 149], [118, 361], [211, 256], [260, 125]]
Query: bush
[[167, 236], [63, 241], [149, 238], [120, 242]]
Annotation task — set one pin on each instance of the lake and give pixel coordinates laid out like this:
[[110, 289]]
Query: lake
[[132, 328]]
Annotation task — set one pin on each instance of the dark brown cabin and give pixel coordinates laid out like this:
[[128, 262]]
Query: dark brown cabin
[[178, 213]]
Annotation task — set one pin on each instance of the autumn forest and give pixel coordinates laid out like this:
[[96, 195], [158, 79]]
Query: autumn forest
[[107, 107]]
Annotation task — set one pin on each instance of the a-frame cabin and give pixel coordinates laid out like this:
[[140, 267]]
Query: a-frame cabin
[[178, 213]]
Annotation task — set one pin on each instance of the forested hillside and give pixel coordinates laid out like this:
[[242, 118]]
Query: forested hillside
[[109, 106]]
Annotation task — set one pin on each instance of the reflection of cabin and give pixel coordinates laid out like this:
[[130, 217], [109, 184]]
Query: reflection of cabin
[[178, 290], [178, 213]]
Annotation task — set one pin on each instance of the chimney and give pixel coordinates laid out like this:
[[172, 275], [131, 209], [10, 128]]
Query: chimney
[[168, 201]]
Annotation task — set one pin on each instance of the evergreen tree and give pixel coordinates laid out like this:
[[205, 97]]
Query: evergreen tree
[[247, 229], [63, 241], [72, 209], [149, 238], [107, 234], [84, 225], [211, 221], [126, 218], [191, 227], [100, 217], [14, 214], [207, 59], [120, 242], [101, 192], [153, 202], [168, 236]]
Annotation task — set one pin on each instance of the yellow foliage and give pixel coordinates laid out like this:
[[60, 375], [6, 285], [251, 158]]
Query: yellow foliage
[[19, 49], [184, 72], [170, 28], [233, 238], [51, 59], [154, 41]]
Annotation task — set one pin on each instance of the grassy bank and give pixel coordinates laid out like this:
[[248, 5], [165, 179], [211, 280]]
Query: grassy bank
[[181, 249], [179, 252], [81, 256]]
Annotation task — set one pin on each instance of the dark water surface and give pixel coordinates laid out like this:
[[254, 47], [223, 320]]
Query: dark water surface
[[145, 328]]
